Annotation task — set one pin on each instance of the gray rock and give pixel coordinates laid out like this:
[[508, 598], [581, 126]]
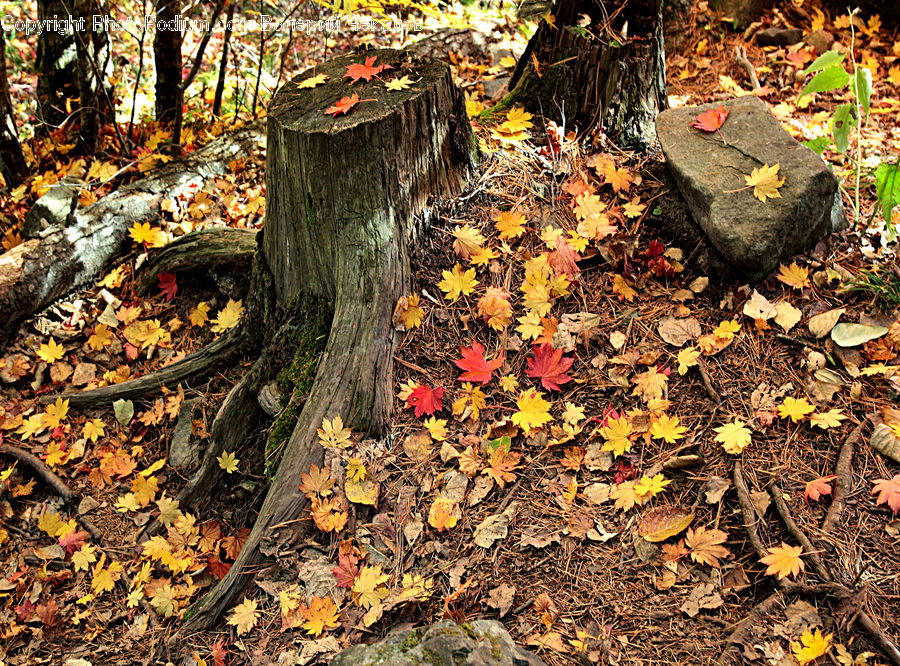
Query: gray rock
[[779, 36], [478, 643], [752, 236], [183, 454], [820, 40], [53, 207]]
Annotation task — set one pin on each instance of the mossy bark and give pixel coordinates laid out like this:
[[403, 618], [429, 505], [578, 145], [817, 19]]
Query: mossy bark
[[344, 195], [608, 71]]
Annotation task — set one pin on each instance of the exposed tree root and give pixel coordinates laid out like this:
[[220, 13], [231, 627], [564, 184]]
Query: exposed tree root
[[200, 249], [195, 367], [827, 588], [734, 641], [843, 470]]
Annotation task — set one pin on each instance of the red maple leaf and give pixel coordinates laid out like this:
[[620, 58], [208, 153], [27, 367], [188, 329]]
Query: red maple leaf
[[217, 567], [167, 285], [816, 488], [358, 71], [47, 613], [477, 369], [218, 652], [888, 491], [346, 571], [343, 105], [73, 541], [550, 365], [711, 119], [425, 399]]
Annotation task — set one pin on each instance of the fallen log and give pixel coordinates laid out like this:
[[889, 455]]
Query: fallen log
[[344, 195], [40, 270]]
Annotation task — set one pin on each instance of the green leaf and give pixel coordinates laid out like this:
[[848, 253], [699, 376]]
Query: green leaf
[[501, 442], [887, 188], [841, 122], [828, 79], [818, 145], [124, 411], [861, 87], [824, 61]]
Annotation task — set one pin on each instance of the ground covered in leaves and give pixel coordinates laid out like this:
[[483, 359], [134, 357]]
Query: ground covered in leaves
[[623, 458]]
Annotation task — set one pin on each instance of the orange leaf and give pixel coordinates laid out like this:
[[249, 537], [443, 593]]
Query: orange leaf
[[711, 119], [816, 488], [663, 522], [784, 560], [343, 105]]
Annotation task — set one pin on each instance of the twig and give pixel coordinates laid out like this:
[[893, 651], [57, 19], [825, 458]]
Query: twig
[[843, 470], [886, 644], [797, 342], [785, 512], [747, 509], [707, 383], [740, 57]]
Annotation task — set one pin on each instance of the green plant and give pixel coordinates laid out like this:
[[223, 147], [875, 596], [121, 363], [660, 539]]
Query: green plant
[[884, 286], [830, 74]]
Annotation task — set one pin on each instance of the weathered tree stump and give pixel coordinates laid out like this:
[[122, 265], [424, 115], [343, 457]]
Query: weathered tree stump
[[611, 72], [343, 195]]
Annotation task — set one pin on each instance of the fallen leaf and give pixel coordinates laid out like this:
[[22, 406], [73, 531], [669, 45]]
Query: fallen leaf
[[764, 182], [663, 522], [784, 560]]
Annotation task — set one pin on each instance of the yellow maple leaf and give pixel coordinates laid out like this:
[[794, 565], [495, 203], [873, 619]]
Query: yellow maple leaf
[[687, 358], [650, 384], [825, 420], [633, 208], [764, 182], [458, 282], [533, 411], [322, 613], [617, 433], [620, 179], [31, 426], [56, 454], [793, 276], [470, 402], [624, 495], [333, 433], [100, 338], [510, 224], [144, 233], [56, 413], [228, 316], [530, 326], [200, 314], [517, 120], [51, 351], [228, 461], [163, 601], [105, 577], [84, 557], [313, 81], [437, 428], [622, 289], [667, 429], [495, 309], [734, 437], [368, 588], [794, 409], [53, 524], [408, 313], [244, 616], [727, 329], [401, 83], [706, 545], [784, 560], [468, 241], [811, 646], [651, 485]]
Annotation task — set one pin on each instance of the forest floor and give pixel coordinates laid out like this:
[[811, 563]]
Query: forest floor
[[522, 492]]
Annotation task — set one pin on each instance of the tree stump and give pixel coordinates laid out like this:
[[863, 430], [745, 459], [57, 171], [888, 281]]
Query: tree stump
[[343, 194], [608, 68]]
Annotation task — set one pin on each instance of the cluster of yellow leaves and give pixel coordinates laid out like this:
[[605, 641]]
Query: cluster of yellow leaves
[[228, 317], [142, 232], [515, 128]]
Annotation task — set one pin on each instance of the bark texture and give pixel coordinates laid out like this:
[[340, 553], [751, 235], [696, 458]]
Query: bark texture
[[610, 73], [12, 161], [40, 270], [167, 58], [343, 197], [55, 67]]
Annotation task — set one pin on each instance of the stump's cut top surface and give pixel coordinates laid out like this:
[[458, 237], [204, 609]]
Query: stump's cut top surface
[[303, 109]]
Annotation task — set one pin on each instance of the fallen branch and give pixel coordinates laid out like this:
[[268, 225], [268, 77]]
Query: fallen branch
[[707, 383], [200, 249], [196, 367], [740, 57], [843, 470], [747, 510], [40, 270]]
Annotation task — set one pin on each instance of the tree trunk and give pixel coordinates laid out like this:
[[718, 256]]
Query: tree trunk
[[343, 196], [223, 62], [606, 69], [12, 161], [167, 56], [55, 68], [92, 49], [40, 270]]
